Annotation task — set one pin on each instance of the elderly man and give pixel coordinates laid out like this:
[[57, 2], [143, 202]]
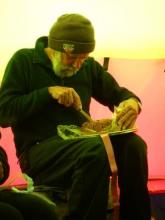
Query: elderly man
[[47, 86]]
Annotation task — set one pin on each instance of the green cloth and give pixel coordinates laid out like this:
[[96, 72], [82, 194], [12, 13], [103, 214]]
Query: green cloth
[[76, 132], [73, 132]]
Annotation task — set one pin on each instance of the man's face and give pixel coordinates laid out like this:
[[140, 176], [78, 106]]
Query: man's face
[[67, 64]]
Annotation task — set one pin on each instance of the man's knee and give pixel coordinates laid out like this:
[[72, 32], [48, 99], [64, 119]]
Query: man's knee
[[136, 145], [95, 146], [130, 149], [94, 150]]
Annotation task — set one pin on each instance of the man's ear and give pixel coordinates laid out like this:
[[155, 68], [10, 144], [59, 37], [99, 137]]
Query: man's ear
[[50, 52]]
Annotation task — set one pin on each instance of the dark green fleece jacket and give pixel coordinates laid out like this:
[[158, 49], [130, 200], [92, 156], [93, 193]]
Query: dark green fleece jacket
[[29, 109], [4, 161]]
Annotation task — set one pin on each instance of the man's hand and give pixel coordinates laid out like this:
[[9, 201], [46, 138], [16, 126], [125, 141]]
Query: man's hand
[[1, 171], [66, 96], [126, 113]]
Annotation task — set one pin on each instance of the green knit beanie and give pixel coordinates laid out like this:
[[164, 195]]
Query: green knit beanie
[[72, 33]]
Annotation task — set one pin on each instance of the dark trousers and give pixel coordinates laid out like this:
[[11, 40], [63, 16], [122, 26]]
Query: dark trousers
[[131, 157], [22, 206], [82, 165], [8, 211]]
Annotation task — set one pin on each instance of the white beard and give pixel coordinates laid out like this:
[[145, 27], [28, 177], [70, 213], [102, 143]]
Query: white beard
[[62, 70]]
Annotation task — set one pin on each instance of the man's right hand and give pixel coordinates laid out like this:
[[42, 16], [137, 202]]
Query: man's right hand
[[65, 96]]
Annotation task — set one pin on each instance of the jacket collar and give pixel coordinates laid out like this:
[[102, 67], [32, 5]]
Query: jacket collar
[[39, 54]]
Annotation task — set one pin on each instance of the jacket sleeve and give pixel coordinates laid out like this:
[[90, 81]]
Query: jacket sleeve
[[106, 89], [16, 102], [5, 164]]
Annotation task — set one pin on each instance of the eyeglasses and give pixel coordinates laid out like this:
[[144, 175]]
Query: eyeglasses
[[74, 59]]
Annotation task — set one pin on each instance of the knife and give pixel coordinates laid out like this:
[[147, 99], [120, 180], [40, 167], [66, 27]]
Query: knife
[[86, 115]]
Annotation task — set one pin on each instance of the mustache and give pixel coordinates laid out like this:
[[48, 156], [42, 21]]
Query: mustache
[[69, 68]]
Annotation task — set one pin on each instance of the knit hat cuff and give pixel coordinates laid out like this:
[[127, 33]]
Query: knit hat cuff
[[71, 46]]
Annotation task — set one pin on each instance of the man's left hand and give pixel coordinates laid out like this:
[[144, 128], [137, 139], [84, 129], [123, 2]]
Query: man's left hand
[[126, 113]]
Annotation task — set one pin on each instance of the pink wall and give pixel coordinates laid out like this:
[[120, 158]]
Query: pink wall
[[147, 79]]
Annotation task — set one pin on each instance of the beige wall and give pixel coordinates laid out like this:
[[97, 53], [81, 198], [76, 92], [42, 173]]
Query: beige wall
[[124, 29]]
